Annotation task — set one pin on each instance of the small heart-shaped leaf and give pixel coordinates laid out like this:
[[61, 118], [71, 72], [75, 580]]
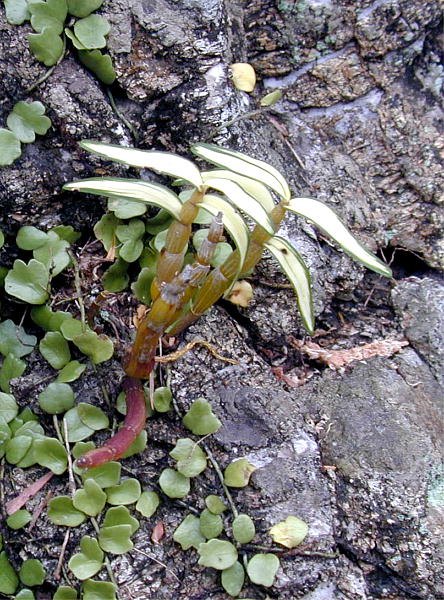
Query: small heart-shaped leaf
[[50, 453], [46, 46], [31, 238], [100, 64], [91, 31], [8, 577], [92, 416], [83, 8], [98, 348], [200, 419], [56, 398], [55, 349], [147, 504], [28, 282], [70, 372], [77, 431], [262, 569], [243, 529], [10, 147], [89, 560], [98, 590], [61, 511], [191, 460], [14, 340], [232, 579], [188, 533], [126, 493], [27, 119], [90, 499], [32, 572], [16, 11], [218, 554], [290, 533], [120, 515], [238, 473], [211, 526], [49, 14], [106, 475], [19, 519], [116, 539], [174, 484]]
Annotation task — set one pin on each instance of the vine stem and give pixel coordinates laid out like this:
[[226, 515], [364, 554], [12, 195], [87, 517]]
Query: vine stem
[[221, 478], [78, 286], [122, 116]]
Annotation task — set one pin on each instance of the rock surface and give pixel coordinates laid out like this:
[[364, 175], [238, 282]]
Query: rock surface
[[356, 454]]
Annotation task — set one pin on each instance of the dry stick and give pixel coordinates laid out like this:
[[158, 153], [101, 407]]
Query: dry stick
[[179, 353], [58, 569], [151, 557], [72, 482], [78, 286], [221, 478]]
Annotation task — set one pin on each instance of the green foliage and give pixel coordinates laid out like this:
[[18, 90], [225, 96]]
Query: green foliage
[[19, 519], [218, 554], [238, 473], [289, 533], [98, 590], [147, 504], [127, 492], [32, 572], [83, 8], [116, 539], [55, 349], [174, 484], [77, 430], [57, 398], [50, 453], [11, 367], [92, 416], [14, 340], [10, 148], [46, 46], [8, 407], [91, 32], [100, 64], [98, 348], [188, 534], [233, 578], [200, 419], [162, 399], [8, 577], [28, 282], [191, 460], [61, 511], [70, 372], [88, 561], [211, 526], [64, 592], [17, 11], [27, 119], [243, 529], [215, 504], [106, 475], [262, 569]]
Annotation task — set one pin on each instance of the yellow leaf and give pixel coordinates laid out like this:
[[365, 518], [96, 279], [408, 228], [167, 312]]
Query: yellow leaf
[[289, 533], [244, 77]]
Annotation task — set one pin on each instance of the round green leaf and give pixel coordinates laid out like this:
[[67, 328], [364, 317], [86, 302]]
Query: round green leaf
[[218, 554], [56, 398], [147, 504], [32, 572], [238, 473], [120, 515], [55, 349], [92, 416], [28, 282], [141, 287], [31, 238], [61, 511], [10, 147], [200, 419], [243, 529], [215, 504], [162, 399], [14, 340], [18, 519], [12, 367], [53, 254], [25, 595], [289, 533], [174, 484], [106, 475], [98, 590], [116, 539], [191, 460], [8, 407], [50, 14], [124, 208], [70, 372], [83, 8], [8, 577], [98, 348], [64, 592], [17, 448], [188, 533], [46, 46], [115, 279], [90, 499], [27, 119], [89, 560], [262, 569], [91, 31], [232, 579], [71, 328], [126, 493], [77, 431], [211, 526], [16, 11], [50, 453]]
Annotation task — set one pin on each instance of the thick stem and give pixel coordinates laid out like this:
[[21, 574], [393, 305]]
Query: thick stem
[[134, 422]]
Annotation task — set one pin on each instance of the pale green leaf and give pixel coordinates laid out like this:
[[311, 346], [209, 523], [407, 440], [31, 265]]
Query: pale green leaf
[[77, 431], [233, 578], [55, 349], [115, 279], [98, 590], [116, 539], [151, 193], [28, 282], [91, 31], [243, 201], [162, 399], [70, 372], [250, 186], [244, 165], [271, 98], [100, 64], [50, 14], [61, 511], [99, 348], [27, 119], [53, 254], [188, 533], [147, 504], [18, 519], [83, 8], [31, 238], [16, 11], [262, 569], [215, 504], [14, 340], [298, 275], [200, 419], [56, 398], [10, 147], [88, 561], [174, 484], [289, 533], [92, 416], [127, 492], [50, 453], [211, 525], [329, 222], [126, 209], [8, 577], [163, 162], [90, 499], [65, 592], [11, 367], [218, 554], [191, 460], [120, 515], [8, 407], [46, 46], [243, 529], [106, 475], [238, 473]]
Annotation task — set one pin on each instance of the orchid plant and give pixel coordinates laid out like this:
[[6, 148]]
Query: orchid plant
[[181, 293]]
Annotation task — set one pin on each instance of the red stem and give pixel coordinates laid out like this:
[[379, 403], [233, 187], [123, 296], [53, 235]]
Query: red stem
[[134, 423]]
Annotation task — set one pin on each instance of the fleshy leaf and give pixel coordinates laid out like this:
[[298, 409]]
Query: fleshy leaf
[[90, 499], [55, 349], [106, 475], [53, 254], [200, 419], [164, 162], [14, 340], [98, 590], [115, 279], [174, 484], [19, 519], [127, 492], [48, 319], [89, 560], [116, 539], [31, 238], [50, 453], [65, 592], [147, 504], [46, 46], [92, 416], [289, 533], [215, 504], [126, 209], [77, 431], [298, 274], [238, 473], [61, 511], [16, 11], [98, 348], [57, 398], [271, 98], [70, 372], [91, 31], [188, 533], [162, 399], [262, 569], [120, 515], [8, 407], [27, 119], [243, 529], [50, 14], [28, 282], [329, 222], [244, 165], [8, 577], [11, 367], [83, 8], [10, 147], [211, 525], [218, 554], [233, 578], [100, 64], [151, 193], [191, 460], [25, 594]]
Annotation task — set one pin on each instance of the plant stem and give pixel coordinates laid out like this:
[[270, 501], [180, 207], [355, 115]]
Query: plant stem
[[221, 478], [78, 286]]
